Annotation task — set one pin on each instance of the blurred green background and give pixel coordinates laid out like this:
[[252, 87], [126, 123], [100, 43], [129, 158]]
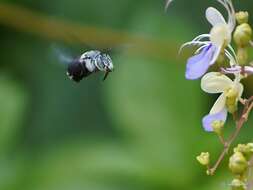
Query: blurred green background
[[140, 129]]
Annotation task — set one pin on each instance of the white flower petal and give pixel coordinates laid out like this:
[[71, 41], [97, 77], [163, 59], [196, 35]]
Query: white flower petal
[[231, 13], [215, 82], [168, 2], [220, 35], [219, 105], [214, 17]]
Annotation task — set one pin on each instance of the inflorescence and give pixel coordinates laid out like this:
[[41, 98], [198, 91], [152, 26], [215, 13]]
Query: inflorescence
[[226, 46]]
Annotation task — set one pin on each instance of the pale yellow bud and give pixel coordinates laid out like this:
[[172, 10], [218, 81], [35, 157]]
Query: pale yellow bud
[[217, 126], [208, 172], [238, 185], [241, 148], [231, 100], [242, 17], [242, 55], [204, 158], [246, 149], [250, 146], [238, 163], [242, 35]]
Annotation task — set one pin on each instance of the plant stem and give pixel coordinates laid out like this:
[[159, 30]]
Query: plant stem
[[244, 117], [250, 180]]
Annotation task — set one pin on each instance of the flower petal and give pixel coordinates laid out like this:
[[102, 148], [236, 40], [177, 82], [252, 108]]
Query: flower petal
[[214, 17], [228, 5], [168, 2], [198, 64], [219, 104], [210, 118], [220, 35], [215, 82], [249, 69]]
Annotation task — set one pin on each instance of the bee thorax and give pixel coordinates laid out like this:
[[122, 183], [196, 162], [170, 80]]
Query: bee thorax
[[89, 65]]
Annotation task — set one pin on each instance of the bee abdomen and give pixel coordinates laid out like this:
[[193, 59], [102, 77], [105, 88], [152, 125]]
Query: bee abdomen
[[77, 71]]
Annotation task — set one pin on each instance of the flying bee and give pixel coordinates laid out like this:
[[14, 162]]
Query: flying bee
[[89, 62]]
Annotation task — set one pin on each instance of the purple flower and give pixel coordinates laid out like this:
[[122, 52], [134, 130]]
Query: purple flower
[[198, 64], [210, 45], [230, 92], [209, 120]]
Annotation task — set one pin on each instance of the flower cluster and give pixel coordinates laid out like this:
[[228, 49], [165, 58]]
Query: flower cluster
[[233, 65], [240, 164], [216, 47]]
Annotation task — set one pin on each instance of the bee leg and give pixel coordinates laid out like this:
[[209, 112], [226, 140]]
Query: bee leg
[[106, 75]]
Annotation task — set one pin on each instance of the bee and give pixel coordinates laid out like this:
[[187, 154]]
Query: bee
[[88, 63]]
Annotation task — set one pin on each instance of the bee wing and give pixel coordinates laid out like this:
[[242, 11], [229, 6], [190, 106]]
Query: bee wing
[[62, 54]]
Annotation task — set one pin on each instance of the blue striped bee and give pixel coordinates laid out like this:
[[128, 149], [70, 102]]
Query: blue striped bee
[[89, 62]]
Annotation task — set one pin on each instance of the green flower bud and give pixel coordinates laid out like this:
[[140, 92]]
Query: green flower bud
[[241, 148], [208, 172], [242, 35], [217, 126], [246, 150], [242, 17], [238, 185], [250, 146], [238, 163], [204, 158], [242, 56]]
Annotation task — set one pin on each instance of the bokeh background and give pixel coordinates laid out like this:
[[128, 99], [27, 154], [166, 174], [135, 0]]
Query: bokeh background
[[140, 129]]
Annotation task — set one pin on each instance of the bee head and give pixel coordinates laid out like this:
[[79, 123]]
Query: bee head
[[107, 62], [108, 65]]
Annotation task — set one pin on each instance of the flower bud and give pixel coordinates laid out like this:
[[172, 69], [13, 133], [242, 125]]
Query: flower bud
[[231, 100], [238, 185], [246, 150], [242, 17], [250, 146], [238, 164], [208, 172], [242, 35], [217, 126], [241, 148], [242, 56], [204, 158]]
